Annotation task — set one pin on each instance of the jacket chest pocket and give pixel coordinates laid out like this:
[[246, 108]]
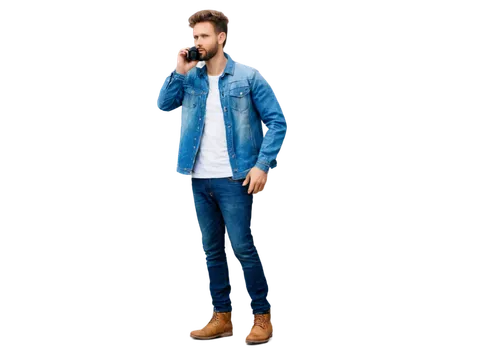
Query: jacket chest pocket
[[191, 97], [239, 98]]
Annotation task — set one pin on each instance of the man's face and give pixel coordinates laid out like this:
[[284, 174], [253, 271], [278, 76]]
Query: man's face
[[205, 40]]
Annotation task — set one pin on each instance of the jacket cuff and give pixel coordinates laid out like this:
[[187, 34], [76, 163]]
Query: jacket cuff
[[177, 76], [262, 166]]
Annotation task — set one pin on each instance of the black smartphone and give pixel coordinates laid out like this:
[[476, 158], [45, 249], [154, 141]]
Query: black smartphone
[[193, 54]]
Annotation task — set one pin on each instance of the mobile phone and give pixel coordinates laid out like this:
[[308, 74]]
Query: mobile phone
[[193, 54]]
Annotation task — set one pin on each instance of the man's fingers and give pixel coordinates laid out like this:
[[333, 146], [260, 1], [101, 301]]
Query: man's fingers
[[251, 187], [256, 184], [247, 179]]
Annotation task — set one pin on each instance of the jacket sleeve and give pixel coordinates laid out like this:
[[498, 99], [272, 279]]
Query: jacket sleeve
[[172, 92], [267, 106]]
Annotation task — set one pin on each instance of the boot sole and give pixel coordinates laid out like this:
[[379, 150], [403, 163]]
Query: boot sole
[[259, 342], [225, 334]]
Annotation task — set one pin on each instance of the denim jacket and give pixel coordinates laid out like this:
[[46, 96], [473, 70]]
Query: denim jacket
[[246, 100]]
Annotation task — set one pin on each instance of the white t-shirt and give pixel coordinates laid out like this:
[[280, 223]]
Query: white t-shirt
[[212, 160]]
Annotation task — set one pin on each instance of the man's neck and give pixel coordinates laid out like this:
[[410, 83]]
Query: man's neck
[[216, 64]]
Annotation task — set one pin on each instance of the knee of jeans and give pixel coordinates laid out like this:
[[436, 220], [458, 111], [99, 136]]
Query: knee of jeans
[[244, 252]]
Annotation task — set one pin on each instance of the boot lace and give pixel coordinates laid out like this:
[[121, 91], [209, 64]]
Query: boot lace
[[259, 320]]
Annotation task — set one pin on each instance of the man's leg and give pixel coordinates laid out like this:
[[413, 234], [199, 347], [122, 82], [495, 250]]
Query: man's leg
[[211, 228], [236, 207], [220, 323]]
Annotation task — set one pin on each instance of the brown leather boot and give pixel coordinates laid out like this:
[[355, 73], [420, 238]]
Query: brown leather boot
[[219, 326], [262, 329]]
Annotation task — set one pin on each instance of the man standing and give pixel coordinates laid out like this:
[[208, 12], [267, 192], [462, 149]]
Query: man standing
[[223, 148]]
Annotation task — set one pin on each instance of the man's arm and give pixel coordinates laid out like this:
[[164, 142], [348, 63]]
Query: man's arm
[[269, 110], [172, 92]]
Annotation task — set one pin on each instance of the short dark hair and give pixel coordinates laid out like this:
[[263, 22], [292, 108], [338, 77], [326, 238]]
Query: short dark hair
[[217, 18]]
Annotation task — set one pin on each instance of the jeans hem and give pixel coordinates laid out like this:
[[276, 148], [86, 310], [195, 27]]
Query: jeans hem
[[260, 311]]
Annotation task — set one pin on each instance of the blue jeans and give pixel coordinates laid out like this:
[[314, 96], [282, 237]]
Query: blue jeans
[[221, 203]]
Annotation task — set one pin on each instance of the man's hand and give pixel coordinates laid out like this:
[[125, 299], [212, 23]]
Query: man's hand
[[183, 66], [257, 179]]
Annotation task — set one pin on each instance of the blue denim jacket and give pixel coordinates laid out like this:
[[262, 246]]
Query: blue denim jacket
[[246, 99]]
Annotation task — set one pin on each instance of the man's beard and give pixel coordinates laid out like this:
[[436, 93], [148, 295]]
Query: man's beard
[[210, 53]]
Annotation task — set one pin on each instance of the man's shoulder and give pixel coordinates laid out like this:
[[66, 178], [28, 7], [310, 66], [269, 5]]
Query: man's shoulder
[[245, 68], [242, 71]]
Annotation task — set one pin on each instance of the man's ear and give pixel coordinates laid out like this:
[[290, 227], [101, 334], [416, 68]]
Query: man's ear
[[221, 37]]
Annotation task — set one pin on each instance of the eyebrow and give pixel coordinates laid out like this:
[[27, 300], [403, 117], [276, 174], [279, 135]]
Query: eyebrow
[[201, 35]]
